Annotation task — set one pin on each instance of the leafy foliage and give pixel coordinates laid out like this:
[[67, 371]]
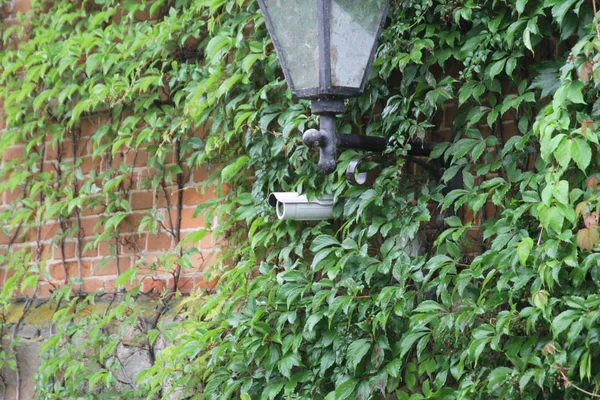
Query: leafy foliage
[[334, 311]]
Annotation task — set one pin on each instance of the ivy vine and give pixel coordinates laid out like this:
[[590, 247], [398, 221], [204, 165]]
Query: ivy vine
[[318, 310]]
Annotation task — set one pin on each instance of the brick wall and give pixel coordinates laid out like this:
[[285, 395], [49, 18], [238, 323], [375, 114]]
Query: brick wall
[[473, 243], [90, 265], [96, 265]]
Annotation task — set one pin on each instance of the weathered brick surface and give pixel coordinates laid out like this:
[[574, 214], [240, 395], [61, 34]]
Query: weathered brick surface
[[70, 249], [98, 264]]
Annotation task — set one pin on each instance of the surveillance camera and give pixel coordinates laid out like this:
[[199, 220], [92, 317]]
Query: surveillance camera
[[292, 206]]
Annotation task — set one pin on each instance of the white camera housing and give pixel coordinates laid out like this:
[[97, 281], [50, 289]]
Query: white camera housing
[[292, 206]]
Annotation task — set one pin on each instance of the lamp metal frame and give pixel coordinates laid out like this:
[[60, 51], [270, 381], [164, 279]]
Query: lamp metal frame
[[326, 88]]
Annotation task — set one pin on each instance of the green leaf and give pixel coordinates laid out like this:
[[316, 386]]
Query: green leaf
[[429, 306], [560, 192], [559, 11], [346, 389], [126, 277], [215, 45], [394, 367], [575, 92], [287, 362], [327, 360], [271, 391], [356, 351], [563, 153], [409, 340], [496, 68], [581, 153], [555, 219], [524, 249], [564, 320], [548, 78], [499, 377], [234, 167], [322, 241]]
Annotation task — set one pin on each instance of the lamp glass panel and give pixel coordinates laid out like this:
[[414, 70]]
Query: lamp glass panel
[[354, 28], [294, 25]]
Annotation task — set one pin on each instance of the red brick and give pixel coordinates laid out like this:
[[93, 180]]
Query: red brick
[[27, 293], [509, 130], [154, 284], [159, 242], [194, 197], [69, 251], [202, 260], [171, 193], [46, 251], [111, 284], [187, 218], [105, 249], [142, 200], [473, 241], [49, 230], [57, 271], [108, 266], [89, 251], [129, 182], [88, 126], [490, 210], [4, 239], [12, 195], [21, 6], [196, 260], [134, 219], [208, 242], [83, 145], [117, 159], [8, 274], [44, 290], [137, 158], [210, 259], [13, 153], [89, 164], [184, 285], [199, 175], [52, 151], [90, 226], [67, 148], [93, 285], [95, 209], [485, 130], [149, 263], [133, 244], [449, 112]]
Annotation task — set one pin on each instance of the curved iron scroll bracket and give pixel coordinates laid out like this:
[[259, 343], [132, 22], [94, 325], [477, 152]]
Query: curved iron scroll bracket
[[358, 178]]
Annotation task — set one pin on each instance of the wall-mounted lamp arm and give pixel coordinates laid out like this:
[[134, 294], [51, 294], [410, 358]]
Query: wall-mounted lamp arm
[[326, 139], [376, 144]]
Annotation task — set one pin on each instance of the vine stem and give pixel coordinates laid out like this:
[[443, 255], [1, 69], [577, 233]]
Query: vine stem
[[596, 18], [569, 383]]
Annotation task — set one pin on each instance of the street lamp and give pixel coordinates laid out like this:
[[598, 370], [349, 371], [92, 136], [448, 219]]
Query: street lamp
[[326, 48]]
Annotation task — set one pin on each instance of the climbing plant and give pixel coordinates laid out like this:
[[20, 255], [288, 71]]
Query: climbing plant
[[328, 310]]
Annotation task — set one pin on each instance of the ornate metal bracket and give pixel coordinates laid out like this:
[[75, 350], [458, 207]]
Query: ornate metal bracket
[[328, 141]]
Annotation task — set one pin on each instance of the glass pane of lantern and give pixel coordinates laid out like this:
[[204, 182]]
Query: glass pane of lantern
[[354, 28], [294, 25]]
